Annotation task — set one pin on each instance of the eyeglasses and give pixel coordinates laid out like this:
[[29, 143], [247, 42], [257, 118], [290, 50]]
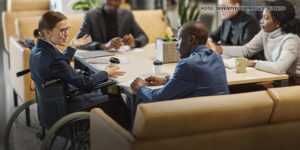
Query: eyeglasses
[[63, 30]]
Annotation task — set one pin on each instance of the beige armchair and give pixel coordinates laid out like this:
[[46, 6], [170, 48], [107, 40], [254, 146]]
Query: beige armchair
[[27, 5], [19, 55], [152, 22], [264, 120]]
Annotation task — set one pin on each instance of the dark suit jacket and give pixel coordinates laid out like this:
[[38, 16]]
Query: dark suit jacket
[[48, 63], [201, 74], [94, 26], [246, 27]]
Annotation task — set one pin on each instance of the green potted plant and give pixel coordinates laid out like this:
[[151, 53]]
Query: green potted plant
[[185, 14], [85, 4]]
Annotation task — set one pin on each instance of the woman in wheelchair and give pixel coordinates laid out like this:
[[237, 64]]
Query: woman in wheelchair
[[47, 62]]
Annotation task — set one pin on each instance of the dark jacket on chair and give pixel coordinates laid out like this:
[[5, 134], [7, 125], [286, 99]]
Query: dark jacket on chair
[[48, 63], [94, 25]]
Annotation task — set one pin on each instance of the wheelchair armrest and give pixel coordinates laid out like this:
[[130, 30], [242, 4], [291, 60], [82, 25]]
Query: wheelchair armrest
[[99, 86], [44, 85], [23, 72]]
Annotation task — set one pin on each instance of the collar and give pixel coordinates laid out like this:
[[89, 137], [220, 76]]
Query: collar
[[237, 17], [200, 48], [275, 33], [45, 43], [107, 14]]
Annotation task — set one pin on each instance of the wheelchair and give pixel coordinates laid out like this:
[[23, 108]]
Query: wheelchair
[[33, 125]]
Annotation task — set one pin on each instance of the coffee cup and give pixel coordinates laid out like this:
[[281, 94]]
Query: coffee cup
[[240, 65]]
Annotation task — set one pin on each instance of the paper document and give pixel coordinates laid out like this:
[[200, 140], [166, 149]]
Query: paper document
[[229, 62], [96, 53]]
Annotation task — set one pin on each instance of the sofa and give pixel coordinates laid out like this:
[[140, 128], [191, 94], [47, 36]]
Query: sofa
[[263, 120]]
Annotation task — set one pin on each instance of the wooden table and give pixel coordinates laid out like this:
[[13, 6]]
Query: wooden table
[[140, 62]]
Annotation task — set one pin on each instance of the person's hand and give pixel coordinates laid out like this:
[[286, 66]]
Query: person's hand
[[214, 47], [156, 81], [129, 40], [75, 42], [251, 63], [114, 72], [115, 43], [138, 82]]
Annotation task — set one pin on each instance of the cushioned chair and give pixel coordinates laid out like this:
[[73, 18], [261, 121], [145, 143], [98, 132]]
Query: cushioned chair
[[8, 21], [27, 5], [19, 57], [152, 22]]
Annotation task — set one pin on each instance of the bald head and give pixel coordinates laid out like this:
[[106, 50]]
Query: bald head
[[196, 29]]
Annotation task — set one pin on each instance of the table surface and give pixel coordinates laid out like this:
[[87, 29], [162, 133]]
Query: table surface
[[139, 61]]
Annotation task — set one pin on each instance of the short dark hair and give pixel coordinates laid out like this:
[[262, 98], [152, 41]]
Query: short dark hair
[[48, 21], [286, 18], [197, 29]]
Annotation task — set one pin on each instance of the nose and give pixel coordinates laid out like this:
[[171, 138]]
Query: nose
[[261, 21]]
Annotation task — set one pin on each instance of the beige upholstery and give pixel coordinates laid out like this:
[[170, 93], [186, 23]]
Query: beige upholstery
[[8, 20], [108, 126], [27, 5], [287, 103], [125, 5], [152, 22], [219, 113], [26, 26], [226, 122], [19, 57]]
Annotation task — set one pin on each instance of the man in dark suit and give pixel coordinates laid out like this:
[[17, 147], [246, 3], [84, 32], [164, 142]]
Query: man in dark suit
[[111, 26], [200, 73], [237, 27]]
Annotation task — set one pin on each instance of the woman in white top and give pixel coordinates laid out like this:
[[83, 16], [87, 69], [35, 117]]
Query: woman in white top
[[279, 39]]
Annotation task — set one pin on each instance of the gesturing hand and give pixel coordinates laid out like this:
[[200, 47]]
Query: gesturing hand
[[114, 72], [115, 43], [81, 41], [129, 40], [155, 81], [214, 47], [138, 82]]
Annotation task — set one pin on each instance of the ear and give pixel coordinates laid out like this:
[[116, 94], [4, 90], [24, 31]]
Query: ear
[[193, 40], [46, 32]]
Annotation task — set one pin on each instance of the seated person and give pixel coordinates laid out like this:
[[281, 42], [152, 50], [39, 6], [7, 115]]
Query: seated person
[[237, 28], [278, 40], [200, 73], [48, 63], [110, 27]]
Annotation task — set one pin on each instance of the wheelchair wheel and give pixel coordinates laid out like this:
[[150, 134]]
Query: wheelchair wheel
[[70, 132], [23, 132]]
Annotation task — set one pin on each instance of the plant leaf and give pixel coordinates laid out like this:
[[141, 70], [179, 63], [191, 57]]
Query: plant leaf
[[191, 15], [196, 16]]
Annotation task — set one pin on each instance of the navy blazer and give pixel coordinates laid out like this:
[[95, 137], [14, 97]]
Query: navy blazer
[[94, 25], [47, 63], [201, 74]]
